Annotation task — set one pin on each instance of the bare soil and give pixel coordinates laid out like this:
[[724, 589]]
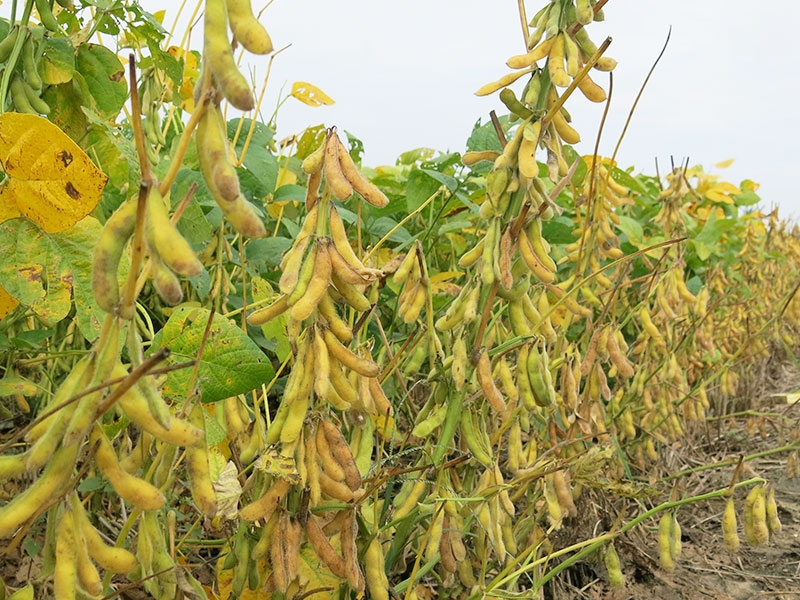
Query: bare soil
[[706, 570]]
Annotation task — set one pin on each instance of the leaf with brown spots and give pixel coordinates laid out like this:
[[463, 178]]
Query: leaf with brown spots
[[49, 272], [230, 364], [51, 180]]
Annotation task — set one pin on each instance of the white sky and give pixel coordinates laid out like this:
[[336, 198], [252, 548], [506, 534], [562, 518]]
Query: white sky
[[403, 76]]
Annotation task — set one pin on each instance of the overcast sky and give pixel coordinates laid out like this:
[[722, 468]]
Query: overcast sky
[[403, 75]]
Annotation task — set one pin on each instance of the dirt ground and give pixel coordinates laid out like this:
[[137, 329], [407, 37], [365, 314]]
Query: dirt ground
[[706, 570]]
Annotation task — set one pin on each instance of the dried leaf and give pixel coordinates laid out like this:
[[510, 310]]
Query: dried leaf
[[228, 490]]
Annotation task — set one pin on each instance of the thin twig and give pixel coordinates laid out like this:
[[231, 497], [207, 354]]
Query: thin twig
[[523, 19], [639, 95], [136, 121], [498, 128], [127, 307]]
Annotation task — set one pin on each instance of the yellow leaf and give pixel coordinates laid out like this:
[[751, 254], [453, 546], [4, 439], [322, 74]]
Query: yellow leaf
[[725, 163], [225, 579], [8, 211], [310, 94], [278, 465], [275, 209], [792, 398], [7, 303], [285, 177], [313, 573], [441, 283], [721, 191], [703, 212], [384, 424], [382, 257], [445, 275], [51, 180], [600, 160], [719, 197], [190, 75], [727, 188]]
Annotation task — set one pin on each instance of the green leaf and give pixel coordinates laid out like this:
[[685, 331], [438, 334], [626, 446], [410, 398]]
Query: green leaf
[[66, 109], [201, 283], [296, 193], [632, 228], [707, 241], [105, 78], [263, 166], [32, 339], [695, 284], [311, 139], [207, 204], [451, 183], [419, 187], [581, 170], [91, 484], [348, 216], [628, 180], [266, 253], [558, 230], [262, 136], [484, 137], [747, 198], [468, 200], [442, 162], [115, 155], [230, 364], [251, 186], [274, 338], [42, 270], [57, 64], [274, 333], [356, 148], [415, 156], [455, 225], [215, 433], [193, 224], [165, 61], [380, 227]]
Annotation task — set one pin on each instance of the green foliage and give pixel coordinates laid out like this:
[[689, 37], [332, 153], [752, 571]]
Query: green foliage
[[482, 395], [229, 364]]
